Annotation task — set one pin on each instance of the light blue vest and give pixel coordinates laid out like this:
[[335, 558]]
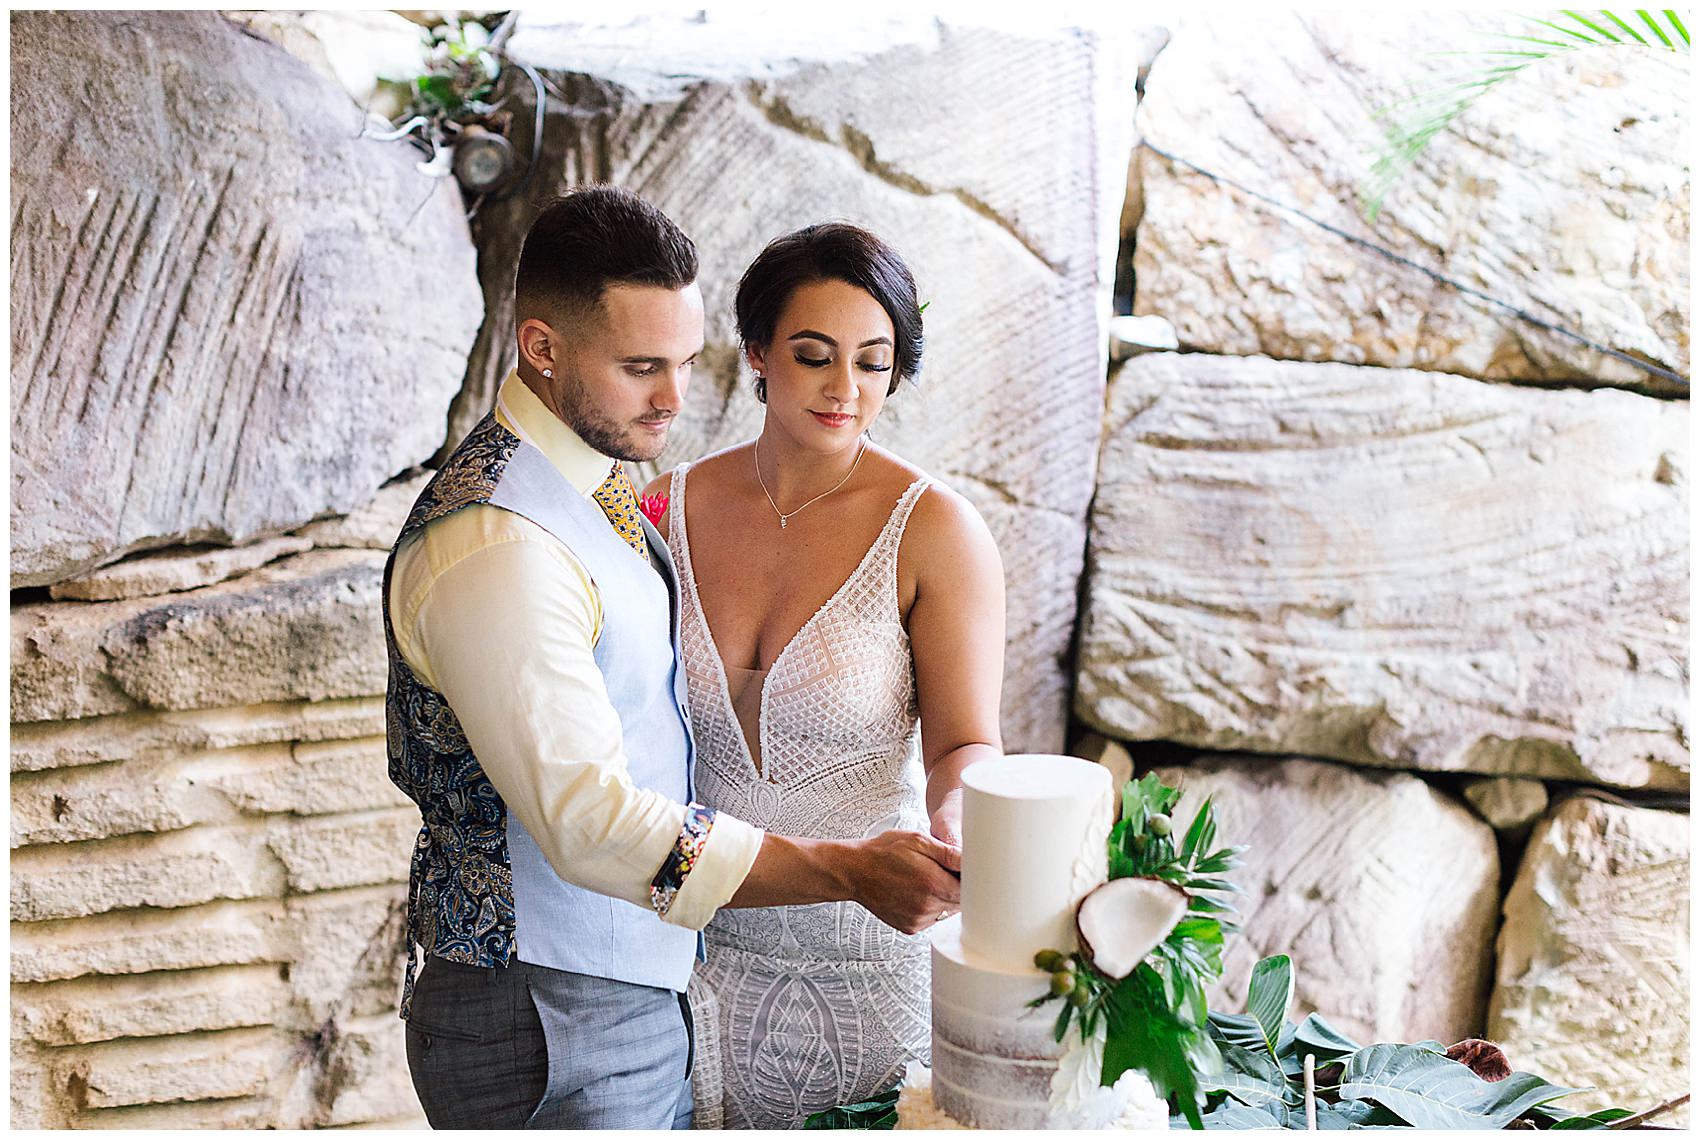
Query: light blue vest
[[553, 923]]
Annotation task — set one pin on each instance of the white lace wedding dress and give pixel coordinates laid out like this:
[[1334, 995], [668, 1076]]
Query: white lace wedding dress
[[801, 1008]]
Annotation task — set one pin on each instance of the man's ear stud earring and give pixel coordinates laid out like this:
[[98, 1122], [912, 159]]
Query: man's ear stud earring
[[548, 374]]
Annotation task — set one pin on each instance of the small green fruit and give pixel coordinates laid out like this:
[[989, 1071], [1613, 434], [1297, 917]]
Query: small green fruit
[[1079, 996], [1048, 960], [1062, 983], [1161, 824]]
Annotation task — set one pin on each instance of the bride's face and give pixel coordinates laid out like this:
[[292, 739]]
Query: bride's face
[[830, 364]]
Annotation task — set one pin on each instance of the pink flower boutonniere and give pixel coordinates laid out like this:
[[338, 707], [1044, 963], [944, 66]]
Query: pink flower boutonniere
[[653, 507]]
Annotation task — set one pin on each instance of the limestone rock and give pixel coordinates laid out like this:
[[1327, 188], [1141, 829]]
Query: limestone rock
[[329, 852], [1132, 336], [374, 526], [1111, 754], [173, 870], [1564, 192], [154, 1005], [1382, 890], [201, 864], [305, 628], [356, 49], [133, 797], [231, 314], [238, 1062], [43, 745], [341, 927], [1394, 568], [366, 1074], [1592, 986], [173, 571], [741, 133], [1507, 804]]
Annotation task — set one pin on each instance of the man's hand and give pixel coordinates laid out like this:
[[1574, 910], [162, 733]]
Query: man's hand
[[906, 878]]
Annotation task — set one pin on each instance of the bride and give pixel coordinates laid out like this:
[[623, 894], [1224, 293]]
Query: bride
[[843, 629]]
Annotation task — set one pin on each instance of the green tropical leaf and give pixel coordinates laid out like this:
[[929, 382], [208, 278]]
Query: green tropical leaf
[[1243, 1030], [1269, 995], [1202, 832], [1600, 1119], [1354, 1114], [878, 1113], [1144, 1034], [1429, 1090], [1232, 1114], [1061, 1026], [1557, 1117], [438, 90], [1315, 1035], [1251, 1078]]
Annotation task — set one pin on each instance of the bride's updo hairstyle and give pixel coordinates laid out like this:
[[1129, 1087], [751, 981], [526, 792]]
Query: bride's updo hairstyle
[[830, 251]]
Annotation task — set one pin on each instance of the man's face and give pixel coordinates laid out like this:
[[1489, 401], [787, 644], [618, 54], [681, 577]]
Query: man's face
[[622, 372]]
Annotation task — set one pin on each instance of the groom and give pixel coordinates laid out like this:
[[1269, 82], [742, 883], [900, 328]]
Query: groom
[[536, 715]]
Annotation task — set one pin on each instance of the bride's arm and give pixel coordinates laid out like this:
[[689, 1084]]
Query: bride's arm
[[956, 633]]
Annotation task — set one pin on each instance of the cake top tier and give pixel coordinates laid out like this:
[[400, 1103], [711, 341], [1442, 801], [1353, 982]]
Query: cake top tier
[[1033, 843], [1035, 777]]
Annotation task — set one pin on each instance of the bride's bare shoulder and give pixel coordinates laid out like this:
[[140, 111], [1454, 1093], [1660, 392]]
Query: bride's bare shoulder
[[947, 533]]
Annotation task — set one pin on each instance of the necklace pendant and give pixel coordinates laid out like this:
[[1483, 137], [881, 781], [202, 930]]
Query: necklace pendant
[[783, 521]]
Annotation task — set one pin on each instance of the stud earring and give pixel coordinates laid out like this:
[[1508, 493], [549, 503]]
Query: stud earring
[[548, 375]]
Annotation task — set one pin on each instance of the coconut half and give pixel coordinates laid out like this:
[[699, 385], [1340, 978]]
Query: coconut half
[[1123, 920]]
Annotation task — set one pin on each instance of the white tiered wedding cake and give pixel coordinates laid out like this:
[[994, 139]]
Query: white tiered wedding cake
[[1034, 830]]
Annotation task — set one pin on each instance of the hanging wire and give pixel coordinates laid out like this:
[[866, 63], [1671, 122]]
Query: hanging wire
[[1521, 314]]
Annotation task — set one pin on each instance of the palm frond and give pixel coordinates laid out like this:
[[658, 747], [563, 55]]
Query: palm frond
[[1413, 122]]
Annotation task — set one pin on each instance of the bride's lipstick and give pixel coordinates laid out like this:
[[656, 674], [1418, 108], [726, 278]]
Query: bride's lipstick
[[833, 421]]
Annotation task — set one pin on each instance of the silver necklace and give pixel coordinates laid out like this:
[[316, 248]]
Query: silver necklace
[[786, 516]]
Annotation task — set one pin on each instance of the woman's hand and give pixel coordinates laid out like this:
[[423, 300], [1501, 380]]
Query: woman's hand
[[947, 819]]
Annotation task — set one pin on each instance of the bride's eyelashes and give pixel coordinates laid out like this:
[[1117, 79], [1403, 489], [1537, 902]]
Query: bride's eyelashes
[[823, 361]]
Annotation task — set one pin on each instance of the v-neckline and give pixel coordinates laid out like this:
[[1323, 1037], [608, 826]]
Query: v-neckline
[[720, 667]]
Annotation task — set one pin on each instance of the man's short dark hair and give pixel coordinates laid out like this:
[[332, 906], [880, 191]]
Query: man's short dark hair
[[593, 237], [832, 251]]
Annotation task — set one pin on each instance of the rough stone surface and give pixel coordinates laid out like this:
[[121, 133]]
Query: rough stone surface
[[304, 628], [743, 135], [1112, 755], [243, 860], [197, 232], [104, 801], [153, 1005], [375, 525], [1382, 890], [173, 571], [1394, 568], [1564, 192], [1507, 804], [153, 735], [1592, 986]]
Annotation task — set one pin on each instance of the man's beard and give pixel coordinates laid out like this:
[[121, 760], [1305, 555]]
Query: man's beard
[[606, 435]]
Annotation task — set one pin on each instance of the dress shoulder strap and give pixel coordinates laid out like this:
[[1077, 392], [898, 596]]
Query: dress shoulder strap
[[676, 507]]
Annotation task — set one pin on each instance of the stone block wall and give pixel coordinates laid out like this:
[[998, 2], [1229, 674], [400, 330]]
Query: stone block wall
[[209, 862], [1398, 577]]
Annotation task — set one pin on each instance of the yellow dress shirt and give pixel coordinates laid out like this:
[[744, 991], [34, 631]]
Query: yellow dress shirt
[[496, 614]]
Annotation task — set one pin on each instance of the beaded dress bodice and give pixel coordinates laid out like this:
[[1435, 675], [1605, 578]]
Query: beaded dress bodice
[[801, 1008]]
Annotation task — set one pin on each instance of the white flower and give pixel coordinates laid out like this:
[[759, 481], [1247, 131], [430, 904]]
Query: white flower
[[1078, 1100]]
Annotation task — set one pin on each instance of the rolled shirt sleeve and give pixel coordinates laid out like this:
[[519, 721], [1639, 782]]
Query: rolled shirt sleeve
[[503, 620]]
